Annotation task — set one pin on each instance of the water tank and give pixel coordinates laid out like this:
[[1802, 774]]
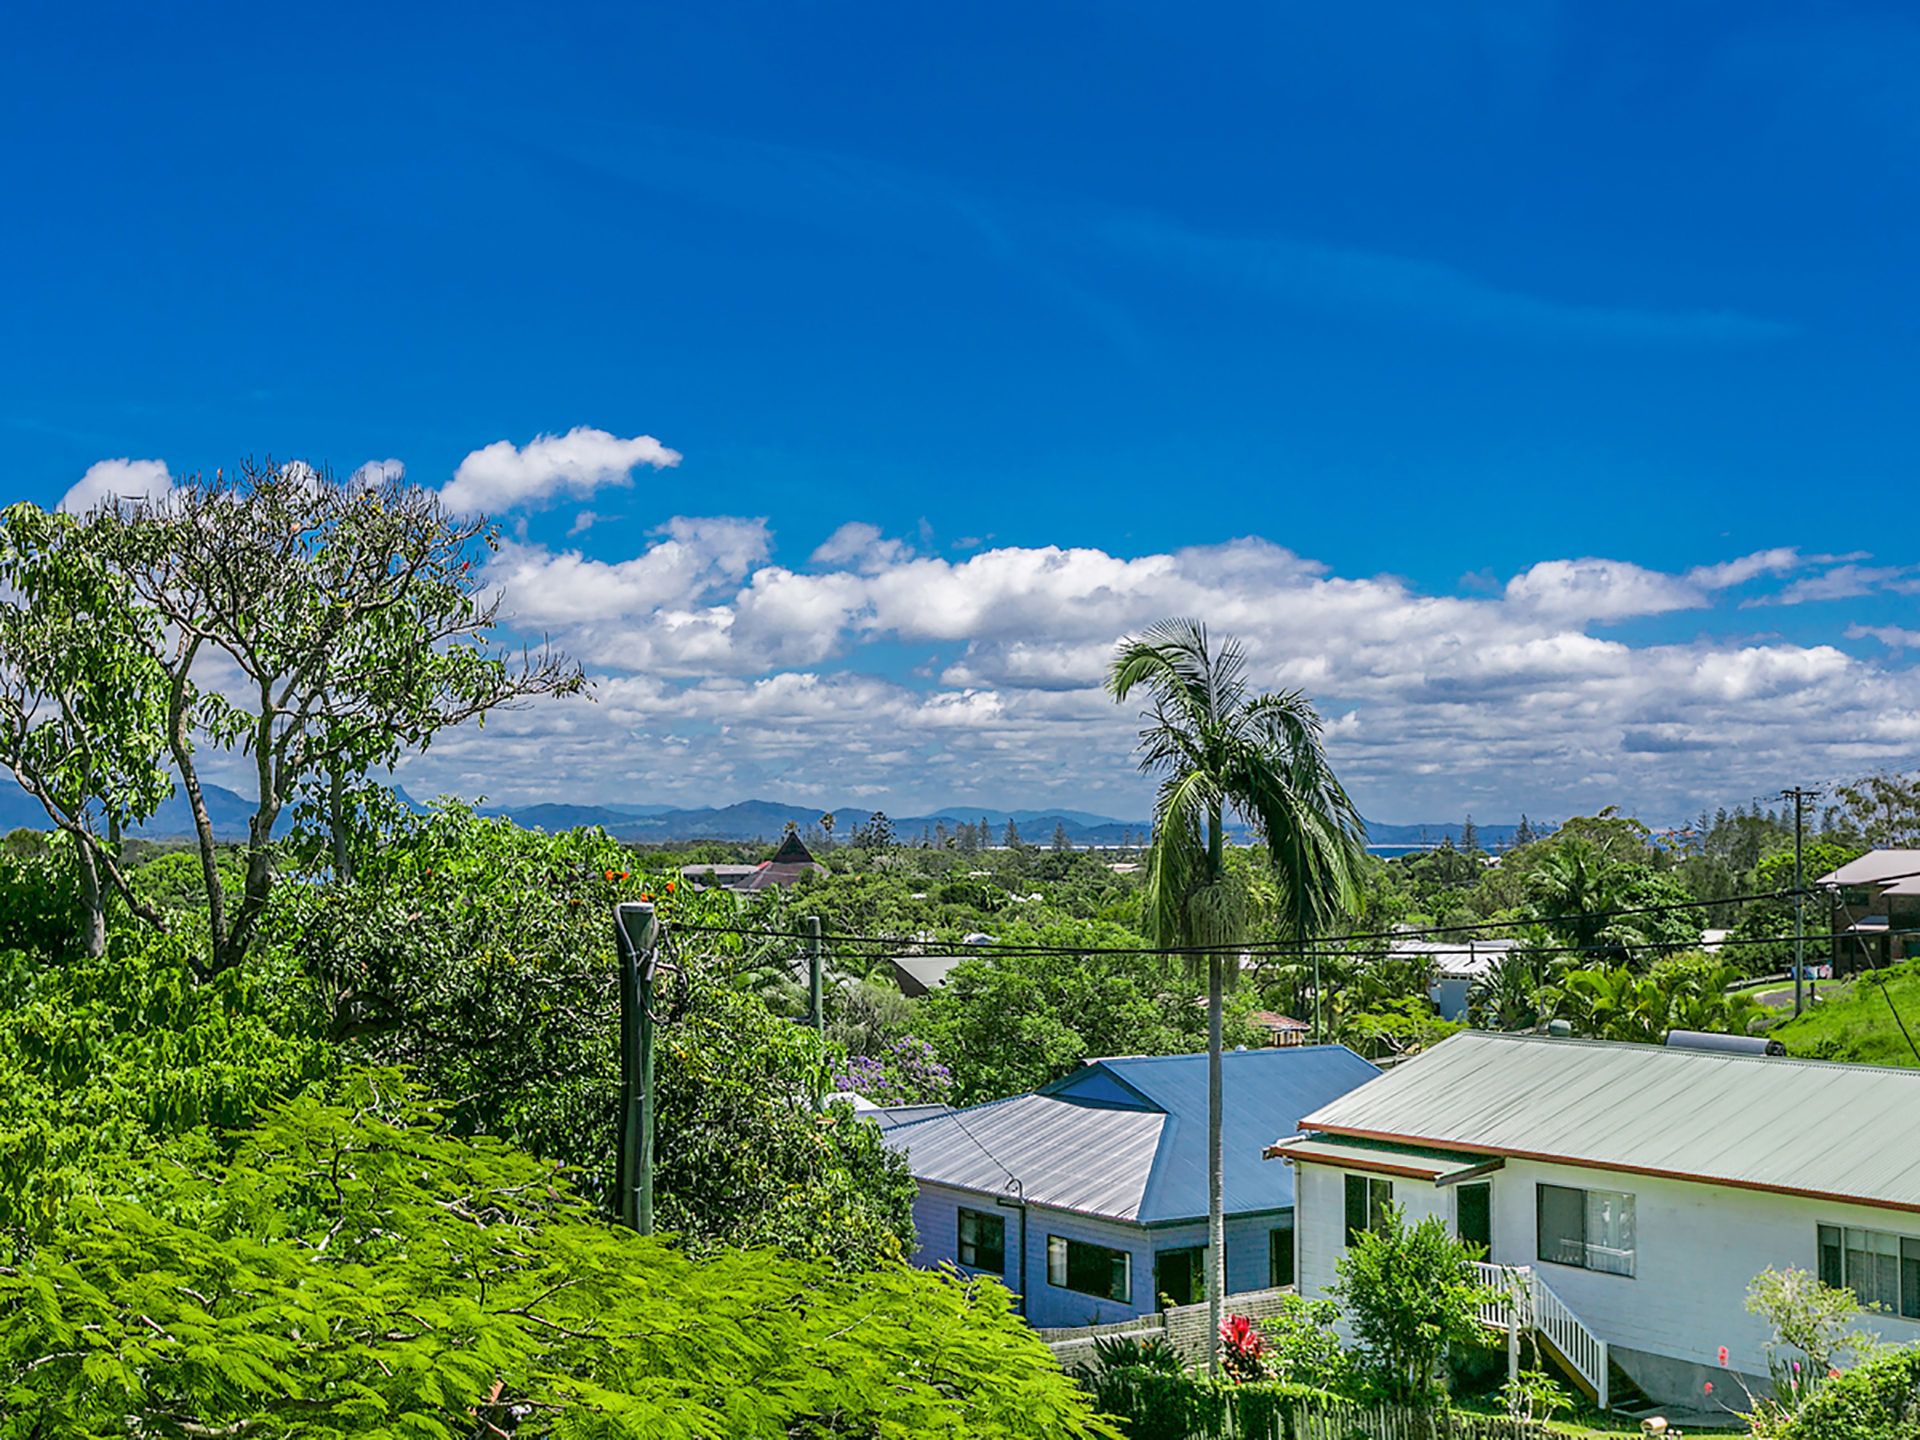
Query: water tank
[[1724, 1044]]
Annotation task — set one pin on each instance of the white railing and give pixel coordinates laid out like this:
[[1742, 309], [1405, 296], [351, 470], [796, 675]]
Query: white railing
[[1528, 1303]]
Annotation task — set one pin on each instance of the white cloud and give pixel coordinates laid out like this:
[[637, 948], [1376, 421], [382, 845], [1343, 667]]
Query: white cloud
[[862, 546], [378, 472], [1777, 561], [501, 476], [758, 679], [1848, 582], [1892, 636], [1593, 589], [121, 479]]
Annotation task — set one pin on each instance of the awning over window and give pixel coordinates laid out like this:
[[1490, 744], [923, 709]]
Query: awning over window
[[1442, 1167]]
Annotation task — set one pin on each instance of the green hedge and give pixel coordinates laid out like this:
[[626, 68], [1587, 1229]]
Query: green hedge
[[1879, 1400], [1153, 1403]]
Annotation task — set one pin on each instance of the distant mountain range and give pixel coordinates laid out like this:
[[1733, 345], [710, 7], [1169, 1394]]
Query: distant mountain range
[[746, 821]]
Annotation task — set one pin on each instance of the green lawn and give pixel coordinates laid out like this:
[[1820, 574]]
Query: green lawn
[[1853, 1022]]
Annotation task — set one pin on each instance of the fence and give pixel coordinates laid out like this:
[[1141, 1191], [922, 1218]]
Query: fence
[[1332, 1419], [1184, 1327]]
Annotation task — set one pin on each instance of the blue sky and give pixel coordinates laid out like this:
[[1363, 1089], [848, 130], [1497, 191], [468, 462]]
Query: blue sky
[[1420, 297]]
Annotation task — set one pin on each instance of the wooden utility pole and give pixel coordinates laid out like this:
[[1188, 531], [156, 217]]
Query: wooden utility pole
[[1799, 797]]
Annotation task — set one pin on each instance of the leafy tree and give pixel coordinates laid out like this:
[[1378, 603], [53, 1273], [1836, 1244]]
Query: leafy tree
[[1682, 992], [480, 956], [1216, 747], [876, 834], [43, 909], [1410, 1294], [1883, 810], [82, 703], [353, 1271], [345, 621], [1756, 947], [1811, 1329], [1009, 1023]]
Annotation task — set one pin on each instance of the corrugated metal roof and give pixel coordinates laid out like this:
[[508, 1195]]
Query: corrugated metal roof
[[1813, 1127], [1127, 1137], [1874, 868], [1067, 1155]]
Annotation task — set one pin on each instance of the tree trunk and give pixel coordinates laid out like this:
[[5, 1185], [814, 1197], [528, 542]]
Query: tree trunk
[[93, 897], [337, 823], [1216, 1179]]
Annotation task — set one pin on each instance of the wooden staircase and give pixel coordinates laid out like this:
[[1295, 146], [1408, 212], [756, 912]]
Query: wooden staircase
[[1527, 1306]]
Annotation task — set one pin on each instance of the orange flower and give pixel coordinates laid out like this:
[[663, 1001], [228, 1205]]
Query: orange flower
[[626, 874], [645, 896], [669, 887], [609, 874]]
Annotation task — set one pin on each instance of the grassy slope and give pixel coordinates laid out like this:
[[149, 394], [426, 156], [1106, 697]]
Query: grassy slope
[[1855, 1023]]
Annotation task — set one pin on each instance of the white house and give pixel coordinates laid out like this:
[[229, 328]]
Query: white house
[[1456, 966], [1088, 1198], [1634, 1190]]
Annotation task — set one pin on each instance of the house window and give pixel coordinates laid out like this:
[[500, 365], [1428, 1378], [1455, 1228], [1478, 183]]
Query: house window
[[1180, 1276], [1882, 1270], [983, 1241], [1367, 1202], [1090, 1269], [1592, 1229], [1473, 1216], [1280, 1256]]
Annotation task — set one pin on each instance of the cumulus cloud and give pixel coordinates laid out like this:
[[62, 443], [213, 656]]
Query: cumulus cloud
[[924, 679], [502, 476], [1593, 589], [113, 480], [862, 546]]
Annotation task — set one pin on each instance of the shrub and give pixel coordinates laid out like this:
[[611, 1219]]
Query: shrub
[[1411, 1294], [1879, 1400], [1303, 1348]]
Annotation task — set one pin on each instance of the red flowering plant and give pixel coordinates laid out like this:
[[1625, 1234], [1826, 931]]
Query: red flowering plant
[[1242, 1350]]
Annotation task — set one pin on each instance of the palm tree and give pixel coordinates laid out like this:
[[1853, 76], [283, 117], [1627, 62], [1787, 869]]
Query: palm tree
[[1217, 748]]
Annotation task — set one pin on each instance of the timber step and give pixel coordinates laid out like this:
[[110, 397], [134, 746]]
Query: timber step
[[1624, 1394]]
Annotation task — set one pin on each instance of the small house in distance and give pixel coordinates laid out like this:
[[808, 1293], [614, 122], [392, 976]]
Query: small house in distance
[[1456, 966], [1876, 909], [1629, 1194], [919, 975], [789, 863], [1089, 1196]]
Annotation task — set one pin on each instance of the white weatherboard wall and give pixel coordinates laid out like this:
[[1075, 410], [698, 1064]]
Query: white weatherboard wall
[[936, 1212], [1699, 1246]]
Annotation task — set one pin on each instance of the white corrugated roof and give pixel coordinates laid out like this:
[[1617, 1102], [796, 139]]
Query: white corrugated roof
[[1813, 1127]]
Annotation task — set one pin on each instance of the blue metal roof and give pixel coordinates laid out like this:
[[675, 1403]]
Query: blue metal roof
[[1126, 1138]]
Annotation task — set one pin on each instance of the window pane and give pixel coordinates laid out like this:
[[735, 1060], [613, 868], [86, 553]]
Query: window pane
[[1090, 1269], [1910, 1279], [1561, 1218], [1610, 1237], [1356, 1205], [1833, 1270], [1280, 1256], [983, 1240]]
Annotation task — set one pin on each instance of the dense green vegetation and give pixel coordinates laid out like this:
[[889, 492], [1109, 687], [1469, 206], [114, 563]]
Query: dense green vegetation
[[311, 1135]]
